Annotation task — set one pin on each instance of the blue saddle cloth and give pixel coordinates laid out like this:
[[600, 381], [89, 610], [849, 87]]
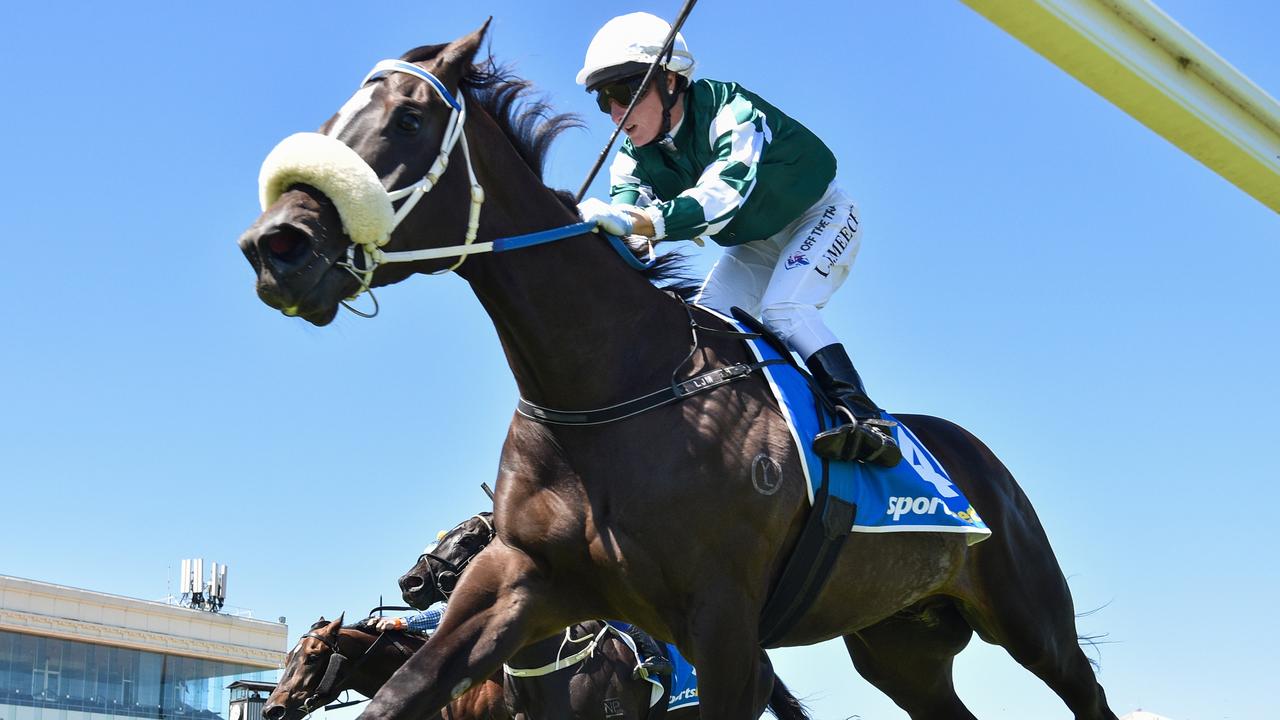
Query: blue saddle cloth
[[916, 495], [684, 678]]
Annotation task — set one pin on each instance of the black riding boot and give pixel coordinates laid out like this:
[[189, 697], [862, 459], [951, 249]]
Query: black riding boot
[[652, 659], [869, 438]]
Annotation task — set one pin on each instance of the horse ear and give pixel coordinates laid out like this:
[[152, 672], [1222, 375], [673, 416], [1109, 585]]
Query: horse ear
[[337, 624], [457, 58]]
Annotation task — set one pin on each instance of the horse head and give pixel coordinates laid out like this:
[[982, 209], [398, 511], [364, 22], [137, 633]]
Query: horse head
[[435, 575], [328, 229], [311, 674]]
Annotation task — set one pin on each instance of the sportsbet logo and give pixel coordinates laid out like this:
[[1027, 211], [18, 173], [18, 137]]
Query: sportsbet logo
[[899, 506], [689, 693]]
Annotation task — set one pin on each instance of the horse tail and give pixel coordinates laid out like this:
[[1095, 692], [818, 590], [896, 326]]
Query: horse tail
[[784, 705], [1093, 641]]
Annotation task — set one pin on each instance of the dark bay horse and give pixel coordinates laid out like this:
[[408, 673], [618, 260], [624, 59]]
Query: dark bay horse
[[371, 660], [653, 519], [433, 578]]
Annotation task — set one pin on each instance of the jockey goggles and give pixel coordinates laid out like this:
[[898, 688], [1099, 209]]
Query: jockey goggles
[[622, 91]]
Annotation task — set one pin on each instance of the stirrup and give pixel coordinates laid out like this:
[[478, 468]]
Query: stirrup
[[854, 441], [653, 666]]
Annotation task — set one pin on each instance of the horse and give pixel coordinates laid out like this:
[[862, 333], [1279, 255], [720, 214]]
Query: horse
[[433, 578], [615, 520], [583, 672], [368, 658]]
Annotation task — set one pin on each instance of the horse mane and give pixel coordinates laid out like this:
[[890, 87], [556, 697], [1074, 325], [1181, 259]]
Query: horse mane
[[531, 125], [529, 122]]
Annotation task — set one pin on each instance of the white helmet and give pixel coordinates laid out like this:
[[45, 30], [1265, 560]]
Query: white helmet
[[627, 45]]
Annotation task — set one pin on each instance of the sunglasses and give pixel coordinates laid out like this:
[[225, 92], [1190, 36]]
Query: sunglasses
[[622, 91]]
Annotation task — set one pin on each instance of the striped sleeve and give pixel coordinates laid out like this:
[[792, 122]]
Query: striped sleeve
[[626, 186], [739, 135]]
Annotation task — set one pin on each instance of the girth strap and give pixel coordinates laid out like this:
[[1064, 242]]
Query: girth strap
[[709, 380], [560, 663]]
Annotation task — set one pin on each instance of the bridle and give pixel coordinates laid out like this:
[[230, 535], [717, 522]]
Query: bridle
[[324, 692], [365, 203], [371, 255], [446, 580]]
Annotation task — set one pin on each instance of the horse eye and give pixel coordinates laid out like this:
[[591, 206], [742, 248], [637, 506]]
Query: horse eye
[[409, 122]]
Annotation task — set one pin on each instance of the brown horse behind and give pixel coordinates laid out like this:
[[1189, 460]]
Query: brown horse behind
[[372, 658]]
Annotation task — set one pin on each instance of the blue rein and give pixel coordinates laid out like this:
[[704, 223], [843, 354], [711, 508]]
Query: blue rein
[[545, 236]]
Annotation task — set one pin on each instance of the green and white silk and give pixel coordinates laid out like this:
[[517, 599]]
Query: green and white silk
[[742, 170]]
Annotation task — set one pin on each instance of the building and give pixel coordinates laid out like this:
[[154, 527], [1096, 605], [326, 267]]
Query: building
[[71, 654]]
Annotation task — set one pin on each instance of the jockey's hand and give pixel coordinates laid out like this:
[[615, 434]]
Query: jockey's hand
[[388, 623], [613, 219]]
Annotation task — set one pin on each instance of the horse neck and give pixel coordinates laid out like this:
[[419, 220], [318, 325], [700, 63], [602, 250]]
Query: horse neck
[[578, 326], [373, 670]]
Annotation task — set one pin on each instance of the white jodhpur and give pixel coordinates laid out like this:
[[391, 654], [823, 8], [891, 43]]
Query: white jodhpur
[[786, 278]]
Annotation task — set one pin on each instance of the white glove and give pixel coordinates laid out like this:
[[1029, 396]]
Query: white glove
[[613, 219]]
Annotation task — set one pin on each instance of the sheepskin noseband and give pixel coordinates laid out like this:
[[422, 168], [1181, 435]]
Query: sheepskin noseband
[[364, 205], [334, 169]]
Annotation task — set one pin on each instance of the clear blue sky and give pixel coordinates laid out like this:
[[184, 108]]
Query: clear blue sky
[[1094, 304]]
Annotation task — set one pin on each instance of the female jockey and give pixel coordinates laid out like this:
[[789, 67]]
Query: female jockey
[[712, 158]]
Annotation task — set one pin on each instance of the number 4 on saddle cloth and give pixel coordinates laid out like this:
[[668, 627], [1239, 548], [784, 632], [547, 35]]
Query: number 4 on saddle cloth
[[916, 495]]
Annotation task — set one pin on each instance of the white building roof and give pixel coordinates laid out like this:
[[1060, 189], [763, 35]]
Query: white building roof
[[1142, 715], [38, 608]]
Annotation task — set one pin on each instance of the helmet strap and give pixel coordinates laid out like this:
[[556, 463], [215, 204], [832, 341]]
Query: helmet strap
[[664, 139]]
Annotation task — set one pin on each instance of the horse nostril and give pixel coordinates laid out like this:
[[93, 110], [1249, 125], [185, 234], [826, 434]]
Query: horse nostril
[[284, 244], [273, 712], [411, 583]]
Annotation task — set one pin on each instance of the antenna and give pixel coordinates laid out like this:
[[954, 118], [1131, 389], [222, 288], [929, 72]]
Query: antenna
[[199, 593]]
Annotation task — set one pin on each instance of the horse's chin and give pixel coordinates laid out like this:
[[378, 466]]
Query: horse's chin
[[417, 600], [319, 305]]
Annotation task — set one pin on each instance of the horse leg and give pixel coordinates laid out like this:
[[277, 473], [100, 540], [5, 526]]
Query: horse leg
[[782, 703], [732, 670], [909, 657], [1010, 589], [1022, 603], [501, 603], [1038, 630]]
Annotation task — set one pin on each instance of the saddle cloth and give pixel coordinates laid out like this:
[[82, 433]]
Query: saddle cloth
[[683, 691], [916, 495]]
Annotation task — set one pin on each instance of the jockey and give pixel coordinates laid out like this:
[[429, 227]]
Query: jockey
[[711, 158], [652, 659]]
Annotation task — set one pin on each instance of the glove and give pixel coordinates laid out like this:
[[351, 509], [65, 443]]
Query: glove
[[612, 219]]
